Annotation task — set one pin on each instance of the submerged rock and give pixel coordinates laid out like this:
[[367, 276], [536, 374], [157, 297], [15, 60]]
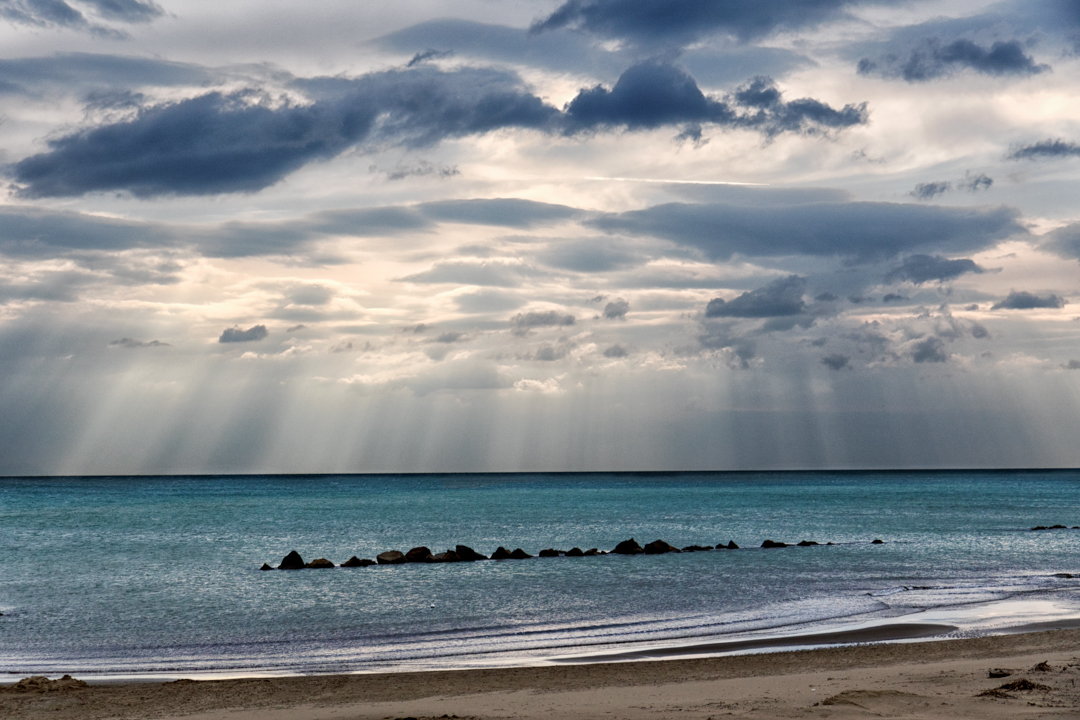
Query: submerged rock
[[628, 547], [575, 552], [592, 551], [357, 562], [319, 564], [659, 547], [266, 566], [467, 554], [418, 554], [391, 557], [292, 561], [807, 543], [771, 544], [520, 554], [501, 554], [697, 548]]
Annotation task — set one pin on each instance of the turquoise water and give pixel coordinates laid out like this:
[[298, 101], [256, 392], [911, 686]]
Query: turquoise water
[[159, 575]]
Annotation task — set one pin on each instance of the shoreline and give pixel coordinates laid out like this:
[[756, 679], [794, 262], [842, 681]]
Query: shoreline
[[882, 677]]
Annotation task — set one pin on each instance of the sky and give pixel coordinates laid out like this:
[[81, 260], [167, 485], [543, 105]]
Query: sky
[[266, 236]]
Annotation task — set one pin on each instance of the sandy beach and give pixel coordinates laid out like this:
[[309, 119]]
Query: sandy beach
[[942, 679]]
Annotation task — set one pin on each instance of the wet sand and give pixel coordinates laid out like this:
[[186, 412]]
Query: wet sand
[[934, 679]]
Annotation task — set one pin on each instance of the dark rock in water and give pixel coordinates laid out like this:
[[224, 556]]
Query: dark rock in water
[[575, 552], [1067, 576], [696, 548], [520, 554], [807, 543], [593, 551], [877, 541], [391, 557], [501, 554], [319, 564], [550, 552], [730, 546], [628, 547], [828, 543], [266, 566], [999, 673], [771, 544], [292, 561], [357, 562], [468, 554], [659, 547], [418, 554], [1049, 527]]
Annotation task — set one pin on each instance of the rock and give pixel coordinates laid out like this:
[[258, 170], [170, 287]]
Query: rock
[[1049, 527], [628, 547], [391, 557], [266, 566], [696, 548], [418, 554], [550, 552], [659, 547], [42, 684], [877, 541], [448, 556], [593, 551], [828, 543], [357, 562], [1067, 576], [999, 673], [501, 554], [467, 554], [319, 564], [730, 546], [575, 552], [771, 544], [807, 543], [1042, 667], [520, 554], [292, 561]]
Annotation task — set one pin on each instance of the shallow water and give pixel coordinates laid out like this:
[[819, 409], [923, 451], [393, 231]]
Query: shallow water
[[159, 576]]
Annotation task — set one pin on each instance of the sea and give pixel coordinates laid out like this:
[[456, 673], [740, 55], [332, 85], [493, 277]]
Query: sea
[[159, 577]]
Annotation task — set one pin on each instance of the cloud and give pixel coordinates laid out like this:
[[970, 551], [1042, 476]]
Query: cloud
[[591, 255], [1045, 149], [491, 274], [500, 212], [130, 344], [616, 309], [1027, 301], [236, 335], [932, 60], [1072, 365], [930, 190], [780, 298], [616, 351], [684, 21], [523, 322], [245, 141], [58, 13], [975, 183], [931, 349], [78, 71], [856, 230], [921, 269], [836, 361], [653, 94]]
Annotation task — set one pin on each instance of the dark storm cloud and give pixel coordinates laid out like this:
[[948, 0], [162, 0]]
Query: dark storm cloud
[[58, 13], [654, 94], [236, 335], [616, 309], [856, 230], [1045, 149], [245, 141], [130, 344], [684, 21], [931, 349], [30, 231], [616, 351], [921, 269], [1027, 301], [932, 60], [779, 298], [1064, 241], [930, 190], [79, 71]]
